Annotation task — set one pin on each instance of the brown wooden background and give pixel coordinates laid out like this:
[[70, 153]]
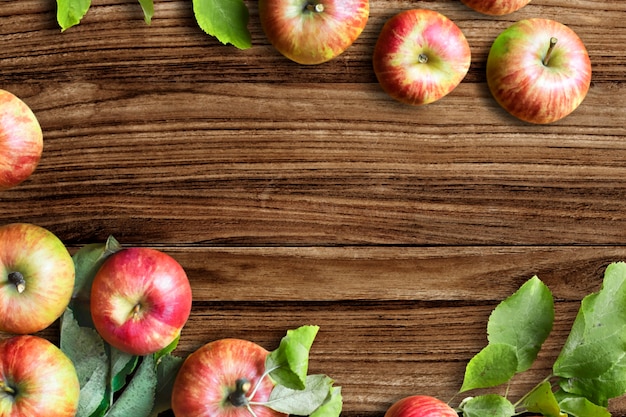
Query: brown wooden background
[[304, 195]]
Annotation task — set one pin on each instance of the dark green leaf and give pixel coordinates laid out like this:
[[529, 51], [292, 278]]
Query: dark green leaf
[[288, 365], [137, 399], [122, 365], [598, 337], [494, 365], [70, 12], [542, 400], [148, 10], [491, 405], [167, 369], [524, 320], [301, 402], [332, 406], [227, 20]]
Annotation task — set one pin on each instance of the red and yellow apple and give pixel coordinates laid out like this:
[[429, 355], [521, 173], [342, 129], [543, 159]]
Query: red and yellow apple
[[420, 56], [420, 406], [21, 140], [538, 70], [36, 379], [224, 378], [36, 278], [496, 7], [313, 31], [140, 300]]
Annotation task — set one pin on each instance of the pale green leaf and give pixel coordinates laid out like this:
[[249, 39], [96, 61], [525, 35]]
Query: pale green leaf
[[227, 20], [542, 400], [301, 402], [598, 337], [289, 363], [580, 407], [332, 406], [494, 365], [491, 405], [137, 399], [70, 12], [524, 320], [148, 10]]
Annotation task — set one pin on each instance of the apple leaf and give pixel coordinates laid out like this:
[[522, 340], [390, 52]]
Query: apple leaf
[[288, 365], [495, 364], [70, 12], [542, 400], [524, 320], [576, 406], [137, 399], [167, 369], [491, 405], [227, 20], [301, 402], [597, 339], [122, 365], [148, 10], [332, 406]]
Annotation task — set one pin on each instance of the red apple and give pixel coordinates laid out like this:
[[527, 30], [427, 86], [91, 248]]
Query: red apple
[[21, 141], [420, 406], [538, 70], [36, 278], [218, 379], [36, 379], [496, 7], [420, 56], [313, 31], [140, 300]]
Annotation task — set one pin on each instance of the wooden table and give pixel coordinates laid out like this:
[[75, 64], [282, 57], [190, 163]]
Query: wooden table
[[304, 195]]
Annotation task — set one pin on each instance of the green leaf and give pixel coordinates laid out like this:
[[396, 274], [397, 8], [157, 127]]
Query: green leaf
[[227, 20], [598, 337], [494, 365], [289, 363], [491, 405], [166, 350], [524, 320], [122, 365], [301, 402], [85, 348], [542, 400], [580, 407], [138, 397], [332, 406], [167, 369], [70, 12], [148, 10]]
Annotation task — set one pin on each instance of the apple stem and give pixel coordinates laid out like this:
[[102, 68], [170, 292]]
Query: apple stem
[[422, 58], [16, 278], [238, 396], [553, 42], [6, 388], [315, 7]]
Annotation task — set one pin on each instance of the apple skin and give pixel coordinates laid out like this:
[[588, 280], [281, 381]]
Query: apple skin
[[210, 374], [311, 37], [140, 300], [523, 85], [420, 406], [36, 379], [404, 40], [21, 141], [48, 275], [495, 7]]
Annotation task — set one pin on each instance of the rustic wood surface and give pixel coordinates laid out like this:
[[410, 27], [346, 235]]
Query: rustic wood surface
[[304, 195]]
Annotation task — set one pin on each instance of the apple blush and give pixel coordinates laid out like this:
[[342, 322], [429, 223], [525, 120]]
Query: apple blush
[[495, 7]]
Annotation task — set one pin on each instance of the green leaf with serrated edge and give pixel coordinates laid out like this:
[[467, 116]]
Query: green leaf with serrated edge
[[70, 12], [87, 262], [600, 390], [148, 10], [86, 349], [597, 339], [167, 369], [332, 406], [289, 363], [301, 402], [494, 365], [137, 399], [491, 405], [579, 406], [542, 400], [226, 20], [122, 365], [524, 320]]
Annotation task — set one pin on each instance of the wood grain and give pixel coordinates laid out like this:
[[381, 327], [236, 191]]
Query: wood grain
[[295, 194]]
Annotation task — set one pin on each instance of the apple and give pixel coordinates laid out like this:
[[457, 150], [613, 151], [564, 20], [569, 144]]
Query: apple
[[36, 379], [313, 31], [223, 378], [21, 141], [538, 70], [36, 278], [420, 56], [420, 406], [140, 300], [495, 7]]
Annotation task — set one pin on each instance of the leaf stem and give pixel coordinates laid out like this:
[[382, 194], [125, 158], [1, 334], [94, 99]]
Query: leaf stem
[[521, 400], [258, 382]]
